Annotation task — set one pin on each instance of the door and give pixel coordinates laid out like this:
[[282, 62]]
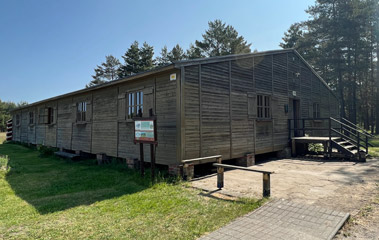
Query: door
[[296, 117]]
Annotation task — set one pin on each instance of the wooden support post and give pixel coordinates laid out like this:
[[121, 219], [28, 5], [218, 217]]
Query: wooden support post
[[366, 143], [303, 122], [359, 145], [266, 185], [220, 175], [293, 148], [330, 138], [152, 160], [142, 161]]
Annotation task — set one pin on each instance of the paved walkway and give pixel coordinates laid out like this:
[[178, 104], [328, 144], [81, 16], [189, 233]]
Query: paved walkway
[[283, 219]]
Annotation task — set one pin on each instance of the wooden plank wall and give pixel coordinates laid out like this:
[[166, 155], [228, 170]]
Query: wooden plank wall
[[216, 99], [107, 129]]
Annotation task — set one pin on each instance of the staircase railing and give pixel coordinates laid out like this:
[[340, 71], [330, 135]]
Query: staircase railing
[[332, 127], [357, 137], [357, 128]]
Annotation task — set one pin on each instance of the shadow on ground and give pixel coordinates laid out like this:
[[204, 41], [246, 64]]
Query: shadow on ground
[[52, 184]]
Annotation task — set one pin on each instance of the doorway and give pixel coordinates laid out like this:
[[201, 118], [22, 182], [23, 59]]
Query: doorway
[[296, 117]]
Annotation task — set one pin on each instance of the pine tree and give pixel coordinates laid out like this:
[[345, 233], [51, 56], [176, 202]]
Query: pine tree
[[176, 54], [131, 61], [163, 59], [137, 59], [107, 71], [221, 39], [194, 52], [146, 57]]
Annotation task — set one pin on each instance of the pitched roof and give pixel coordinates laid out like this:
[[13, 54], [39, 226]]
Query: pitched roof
[[178, 65]]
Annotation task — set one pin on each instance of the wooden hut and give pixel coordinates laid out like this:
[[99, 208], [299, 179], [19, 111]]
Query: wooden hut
[[230, 105]]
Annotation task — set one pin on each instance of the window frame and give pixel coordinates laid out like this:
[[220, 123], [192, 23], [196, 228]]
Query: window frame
[[18, 120], [316, 110], [134, 104], [264, 107], [50, 115], [81, 111], [31, 118]]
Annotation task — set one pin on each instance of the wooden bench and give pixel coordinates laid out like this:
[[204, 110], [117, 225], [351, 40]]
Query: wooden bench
[[266, 176], [189, 164]]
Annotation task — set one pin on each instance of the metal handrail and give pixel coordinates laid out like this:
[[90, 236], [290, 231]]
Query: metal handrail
[[357, 127]]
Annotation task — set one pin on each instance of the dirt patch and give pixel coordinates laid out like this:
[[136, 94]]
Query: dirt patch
[[341, 186]]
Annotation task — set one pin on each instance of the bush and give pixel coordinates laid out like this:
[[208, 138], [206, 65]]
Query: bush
[[46, 151]]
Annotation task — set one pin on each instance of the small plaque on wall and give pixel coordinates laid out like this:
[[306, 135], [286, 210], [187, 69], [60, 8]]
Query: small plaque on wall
[[294, 93], [173, 77]]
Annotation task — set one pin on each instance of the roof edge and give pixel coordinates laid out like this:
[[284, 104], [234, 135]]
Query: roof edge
[[104, 85]]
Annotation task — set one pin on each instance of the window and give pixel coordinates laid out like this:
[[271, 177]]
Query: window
[[135, 104], [17, 120], [263, 107], [81, 111], [31, 117], [316, 110], [50, 115]]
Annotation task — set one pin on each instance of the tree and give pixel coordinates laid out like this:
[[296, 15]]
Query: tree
[[146, 57], [107, 71], [340, 40], [137, 59], [194, 52], [176, 54], [5, 115], [221, 39], [163, 59]]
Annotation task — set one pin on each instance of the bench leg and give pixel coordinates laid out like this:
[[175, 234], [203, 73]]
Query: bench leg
[[220, 177], [266, 185]]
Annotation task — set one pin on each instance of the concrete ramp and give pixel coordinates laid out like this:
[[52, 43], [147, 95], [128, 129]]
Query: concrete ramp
[[283, 219]]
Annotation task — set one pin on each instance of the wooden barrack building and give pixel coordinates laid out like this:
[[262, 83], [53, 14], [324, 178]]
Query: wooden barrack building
[[231, 105]]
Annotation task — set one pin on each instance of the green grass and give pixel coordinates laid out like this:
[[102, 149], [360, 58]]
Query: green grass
[[51, 198], [2, 137], [374, 151]]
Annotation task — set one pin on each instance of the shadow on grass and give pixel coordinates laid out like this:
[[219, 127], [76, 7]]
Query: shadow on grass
[[52, 184]]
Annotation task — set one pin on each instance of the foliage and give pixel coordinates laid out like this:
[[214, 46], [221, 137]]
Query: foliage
[[137, 59], [176, 54], [51, 198], [315, 147], [341, 41], [46, 151], [107, 71], [4, 163], [221, 39], [5, 108]]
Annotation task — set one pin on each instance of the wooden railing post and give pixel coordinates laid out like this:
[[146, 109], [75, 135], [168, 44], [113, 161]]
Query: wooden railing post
[[359, 145], [266, 185], [303, 122], [220, 174], [330, 137], [366, 144]]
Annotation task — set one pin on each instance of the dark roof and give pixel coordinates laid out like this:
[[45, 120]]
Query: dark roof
[[178, 65]]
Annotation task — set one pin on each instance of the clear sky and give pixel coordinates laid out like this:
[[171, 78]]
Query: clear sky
[[50, 47]]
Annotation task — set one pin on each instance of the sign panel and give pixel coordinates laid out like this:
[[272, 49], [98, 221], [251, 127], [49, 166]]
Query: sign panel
[[144, 131]]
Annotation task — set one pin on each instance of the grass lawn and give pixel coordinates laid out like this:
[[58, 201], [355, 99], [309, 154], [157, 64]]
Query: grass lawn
[[374, 151], [52, 198], [2, 137]]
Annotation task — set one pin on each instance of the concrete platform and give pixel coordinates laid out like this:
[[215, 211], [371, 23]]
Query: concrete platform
[[283, 219]]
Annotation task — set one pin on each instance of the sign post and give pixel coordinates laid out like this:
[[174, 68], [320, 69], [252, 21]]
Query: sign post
[[145, 132]]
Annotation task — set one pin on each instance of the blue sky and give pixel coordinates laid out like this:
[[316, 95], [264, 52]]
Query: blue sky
[[50, 47]]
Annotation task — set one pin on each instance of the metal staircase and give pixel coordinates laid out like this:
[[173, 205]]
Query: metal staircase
[[341, 138], [9, 134]]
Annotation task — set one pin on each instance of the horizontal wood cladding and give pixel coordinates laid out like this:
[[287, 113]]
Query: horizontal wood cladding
[[104, 131], [64, 123], [192, 112]]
